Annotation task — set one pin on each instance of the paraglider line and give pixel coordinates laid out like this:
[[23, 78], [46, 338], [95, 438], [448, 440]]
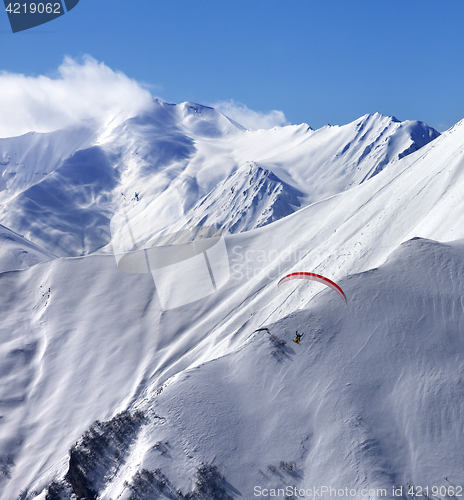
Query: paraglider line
[[280, 305]]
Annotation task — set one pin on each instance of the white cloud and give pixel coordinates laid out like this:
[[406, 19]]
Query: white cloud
[[81, 90], [253, 120]]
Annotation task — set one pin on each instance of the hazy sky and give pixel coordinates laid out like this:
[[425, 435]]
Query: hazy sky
[[318, 62]]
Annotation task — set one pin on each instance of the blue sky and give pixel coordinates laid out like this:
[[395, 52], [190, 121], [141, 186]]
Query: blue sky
[[319, 62]]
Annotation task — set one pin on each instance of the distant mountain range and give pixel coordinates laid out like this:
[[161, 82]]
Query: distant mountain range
[[60, 189]]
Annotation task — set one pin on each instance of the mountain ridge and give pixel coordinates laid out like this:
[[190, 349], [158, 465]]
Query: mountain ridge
[[90, 171]]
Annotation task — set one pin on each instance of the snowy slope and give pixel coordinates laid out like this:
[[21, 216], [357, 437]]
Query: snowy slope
[[61, 189], [373, 396], [28, 159], [18, 253]]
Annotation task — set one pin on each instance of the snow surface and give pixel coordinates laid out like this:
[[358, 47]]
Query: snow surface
[[373, 396], [18, 253]]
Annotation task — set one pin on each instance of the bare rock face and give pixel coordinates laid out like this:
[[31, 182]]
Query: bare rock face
[[59, 490], [209, 484]]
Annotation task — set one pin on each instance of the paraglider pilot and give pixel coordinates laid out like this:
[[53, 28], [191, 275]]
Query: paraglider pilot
[[298, 337]]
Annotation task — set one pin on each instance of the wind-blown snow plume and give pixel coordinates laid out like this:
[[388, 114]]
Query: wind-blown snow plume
[[252, 120], [81, 90]]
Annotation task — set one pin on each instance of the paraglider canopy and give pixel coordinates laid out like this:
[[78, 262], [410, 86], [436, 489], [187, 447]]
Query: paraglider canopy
[[314, 277]]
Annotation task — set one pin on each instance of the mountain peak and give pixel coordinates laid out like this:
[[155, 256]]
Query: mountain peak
[[206, 121], [377, 117], [248, 198]]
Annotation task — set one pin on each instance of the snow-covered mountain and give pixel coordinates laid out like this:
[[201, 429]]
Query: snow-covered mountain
[[249, 198], [60, 189], [195, 403]]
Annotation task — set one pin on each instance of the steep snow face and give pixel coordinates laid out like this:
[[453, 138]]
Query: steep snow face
[[82, 341], [28, 159], [61, 189], [249, 198], [18, 253], [381, 140]]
